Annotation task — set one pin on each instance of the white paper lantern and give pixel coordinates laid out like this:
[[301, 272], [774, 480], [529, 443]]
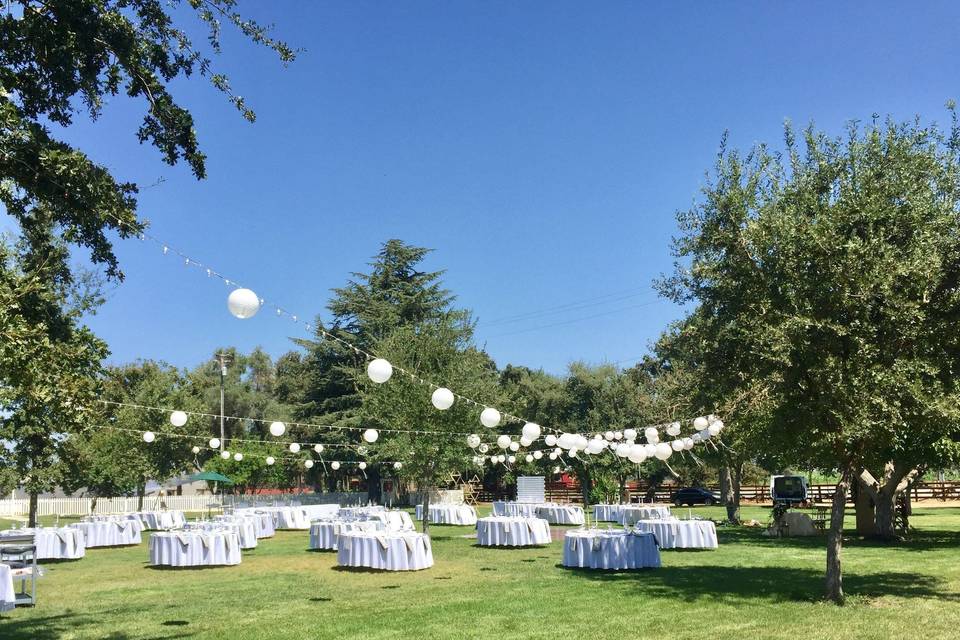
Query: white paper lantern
[[225, 455], [623, 450], [630, 434], [715, 427], [581, 442], [294, 447], [705, 434], [362, 465], [514, 446], [308, 464], [688, 443], [371, 435], [490, 417], [214, 443], [650, 433], [550, 440], [572, 453], [618, 435], [553, 456], [650, 450], [277, 429], [663, 451], [608, 436], [238, 457], [178, 418], [558, 451], [473, 441], [525, 441], [149, 436], [243, 303], [529, 458], [537, 455], [483, 448], [512, 459], [397, 466], [442, 398], [270, 460], [676, 445], [700, 423], [318, 448], [696, 437], [379, 370], [477, 460], [503, 441], [532, 430], [673, 429], [196, 449], [334, 465]]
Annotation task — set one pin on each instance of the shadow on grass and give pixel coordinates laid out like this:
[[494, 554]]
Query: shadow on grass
[[777, 584], [69, 624], [918, 540]]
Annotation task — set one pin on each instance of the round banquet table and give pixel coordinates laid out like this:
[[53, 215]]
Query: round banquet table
[[613, 549], [324, 533], [521, 509], [460, 514], [607, 512], [288, 517], [161, 519], [8, 597], [512, 531], [560, 513], [53, 543], [241, 526], [360, 512], [398, 520], [109, 533], [633, 513], [681, 534], [262, 522], [408, 551], [194, 548]]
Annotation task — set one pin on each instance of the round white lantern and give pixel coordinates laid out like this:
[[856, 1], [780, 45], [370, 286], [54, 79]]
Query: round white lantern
[[608, 436], [483, 448], [277, 429], [673, 429], [581, 442], [676, 445], [512, 459], [650, 449], [503, 441], [514, 446], [630, 434], [572, 453], [650, 433], [525, 441], [473, 441], [700, 423], [294, 447], [379, 370], [243, 303], [529, 458], [214, 443], [537, 455], [371, 435], [442, 398], [532, 430], [688, 443], [623, 450], [715, 428], [397, 466], [149, 436], [225, 455], [490, 417], [308, 464], [553, 456], [318, 448], [238, 457], [551, 440], [270, 460], [362, 465], [196, 449], [334, 465], [178, 418], [663, 451], [637, 454], [696, 437]]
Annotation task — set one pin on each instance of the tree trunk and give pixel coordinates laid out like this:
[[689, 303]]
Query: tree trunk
[[866, 518], [834, 586], [426, 511], [726, 493], [32, 517], [733, 514], [141, 491], [897, 477], [586, 485]]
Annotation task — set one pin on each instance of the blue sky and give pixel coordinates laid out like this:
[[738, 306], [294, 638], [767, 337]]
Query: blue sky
[[541, 149]]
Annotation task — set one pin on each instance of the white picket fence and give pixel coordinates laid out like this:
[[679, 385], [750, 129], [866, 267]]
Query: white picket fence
[[84, 506]]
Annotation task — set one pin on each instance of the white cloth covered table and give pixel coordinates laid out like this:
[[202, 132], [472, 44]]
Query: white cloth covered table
[[324, 533], [158, 520], [53, 543], [109, 533], [398, 520], [360, 512], [613, 549], [407, 551], [632, 513], [460, 514], [239, 525], [8, 597], [288, 517], [512, 531], [681, 534], [194, 548], [521, 509], [607, 512], [560, 513], [314, 511], [262, 522]]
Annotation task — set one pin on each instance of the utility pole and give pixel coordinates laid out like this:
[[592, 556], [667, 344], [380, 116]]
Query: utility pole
[[223, 359]]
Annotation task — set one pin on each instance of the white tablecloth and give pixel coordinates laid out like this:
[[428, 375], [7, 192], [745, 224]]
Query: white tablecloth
[[607, 512], [407, 551], [508, 531], [262, 522], [460, 514], [681, 534], [239, 525], [397, 520], [522, 509], [359, 512], [53, 543], [161, 519], [632, 513], [314, 511], [194, 548], [617, 549], [109, 533], [288, 517], [560, 513], [324, 533], [8, 598]]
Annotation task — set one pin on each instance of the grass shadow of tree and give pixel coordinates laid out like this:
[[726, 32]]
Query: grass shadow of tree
[[66, 625]]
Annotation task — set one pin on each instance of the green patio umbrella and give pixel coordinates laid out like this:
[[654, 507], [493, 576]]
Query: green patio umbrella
[[212, 476]]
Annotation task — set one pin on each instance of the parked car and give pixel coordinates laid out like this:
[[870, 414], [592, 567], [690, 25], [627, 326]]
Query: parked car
[[694, 495], [790, 490]]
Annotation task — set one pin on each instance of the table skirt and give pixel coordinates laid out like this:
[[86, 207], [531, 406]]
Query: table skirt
[[160, 520], [109, 533], [521, 509], [8, 597], [596, 549], [458, 514], [561, 514], [243, 527], [633, 513], [681, 534], [194, 548], [501, 531], [54, 543], [607, 512], [325, 533], [389, 552]]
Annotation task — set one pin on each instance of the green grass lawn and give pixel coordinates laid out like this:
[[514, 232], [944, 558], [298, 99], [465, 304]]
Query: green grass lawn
[[752, 587]]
